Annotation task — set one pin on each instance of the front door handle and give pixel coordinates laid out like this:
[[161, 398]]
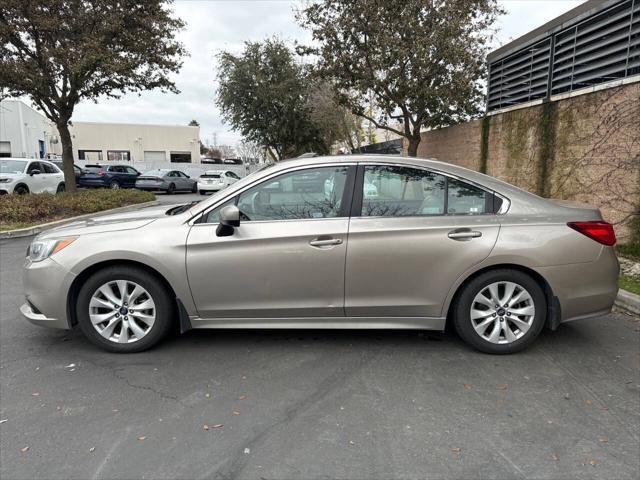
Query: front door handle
[[325, 242], [465, 234]]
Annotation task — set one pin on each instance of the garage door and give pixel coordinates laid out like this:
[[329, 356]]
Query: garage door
[[154, 156], [5, 149]]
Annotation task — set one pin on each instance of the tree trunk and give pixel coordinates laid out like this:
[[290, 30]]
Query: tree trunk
[[67, 156], [412, 149]]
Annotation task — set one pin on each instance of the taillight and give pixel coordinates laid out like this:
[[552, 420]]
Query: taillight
[[601, 232], [101, 173]]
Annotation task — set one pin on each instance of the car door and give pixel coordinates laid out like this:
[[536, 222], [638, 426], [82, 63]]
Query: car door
[[130, 176], [412, 234], [286, 259], [51, 176], [35, 178], [185, 182]]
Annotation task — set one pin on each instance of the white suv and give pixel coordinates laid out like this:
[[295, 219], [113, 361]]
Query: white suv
[[23, 175]]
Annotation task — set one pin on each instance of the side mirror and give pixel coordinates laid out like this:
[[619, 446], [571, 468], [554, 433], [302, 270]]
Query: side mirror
[[229, 219], [35, 172]]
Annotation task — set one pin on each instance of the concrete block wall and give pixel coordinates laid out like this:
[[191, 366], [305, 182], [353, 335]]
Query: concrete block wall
[[584, 148]]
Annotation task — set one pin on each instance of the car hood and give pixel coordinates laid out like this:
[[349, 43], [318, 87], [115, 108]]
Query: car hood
[[110, 222], [11, 175]]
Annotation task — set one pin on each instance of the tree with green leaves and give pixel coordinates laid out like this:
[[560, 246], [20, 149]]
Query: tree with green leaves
[[263, 94], [194, 123], [62, 52], [422, 61]]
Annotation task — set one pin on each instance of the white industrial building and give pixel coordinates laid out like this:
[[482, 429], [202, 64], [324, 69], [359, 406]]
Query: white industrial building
[[129, 142], [24, 132]]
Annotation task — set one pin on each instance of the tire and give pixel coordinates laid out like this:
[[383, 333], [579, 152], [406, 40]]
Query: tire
[[21, 189], [486, 331], [114, 185], [202, 192], [148, 335], [172, 189], [194, 189], [60, 188]]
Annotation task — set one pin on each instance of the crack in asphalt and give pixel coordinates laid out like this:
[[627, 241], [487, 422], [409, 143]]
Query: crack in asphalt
[[147, 388], [234, 466]]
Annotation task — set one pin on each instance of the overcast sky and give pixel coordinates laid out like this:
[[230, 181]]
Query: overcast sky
[[216, 25]]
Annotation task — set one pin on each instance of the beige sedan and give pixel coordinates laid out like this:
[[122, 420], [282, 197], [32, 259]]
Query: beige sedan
[[335, 242]]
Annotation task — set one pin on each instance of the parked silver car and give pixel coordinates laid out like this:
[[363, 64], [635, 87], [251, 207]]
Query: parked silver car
[[303, 244], [166, 180]]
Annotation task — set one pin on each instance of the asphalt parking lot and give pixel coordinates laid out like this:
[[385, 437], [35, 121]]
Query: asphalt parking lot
[[315, 404]]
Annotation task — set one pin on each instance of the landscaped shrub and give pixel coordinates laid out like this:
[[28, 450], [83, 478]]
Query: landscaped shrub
[[45, 207]]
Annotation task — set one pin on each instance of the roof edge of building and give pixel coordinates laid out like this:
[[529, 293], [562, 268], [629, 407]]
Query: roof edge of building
[[565, 20]]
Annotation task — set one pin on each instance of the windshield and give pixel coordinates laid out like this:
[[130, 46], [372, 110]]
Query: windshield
[[12, 166]]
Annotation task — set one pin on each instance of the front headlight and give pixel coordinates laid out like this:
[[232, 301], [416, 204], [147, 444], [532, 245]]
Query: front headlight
[[41, 249]]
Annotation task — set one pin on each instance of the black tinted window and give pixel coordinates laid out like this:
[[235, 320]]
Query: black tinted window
[[47, 168], [34, 166]]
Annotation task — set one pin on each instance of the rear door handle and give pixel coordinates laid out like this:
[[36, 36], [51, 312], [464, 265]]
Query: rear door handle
[[325, 242], [464, 234]]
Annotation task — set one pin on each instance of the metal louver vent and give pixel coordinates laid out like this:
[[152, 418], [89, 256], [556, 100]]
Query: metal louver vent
[[599, 48]]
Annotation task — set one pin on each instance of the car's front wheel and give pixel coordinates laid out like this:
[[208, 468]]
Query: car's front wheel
[[500, 311], [124, 309]]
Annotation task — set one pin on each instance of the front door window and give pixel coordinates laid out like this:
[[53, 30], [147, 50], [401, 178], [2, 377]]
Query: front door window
[[303, 194]]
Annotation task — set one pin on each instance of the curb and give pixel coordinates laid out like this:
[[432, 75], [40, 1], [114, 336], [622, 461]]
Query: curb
[[628, 301], [29, 231]]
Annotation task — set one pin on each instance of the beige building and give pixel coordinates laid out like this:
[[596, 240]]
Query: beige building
[[128, 142]]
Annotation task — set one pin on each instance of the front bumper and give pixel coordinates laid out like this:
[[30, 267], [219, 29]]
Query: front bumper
[[46, 286], [42, 320]]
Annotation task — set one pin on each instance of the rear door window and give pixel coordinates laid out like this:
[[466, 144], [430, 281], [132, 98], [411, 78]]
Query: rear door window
[[395, 191], [466, 199]]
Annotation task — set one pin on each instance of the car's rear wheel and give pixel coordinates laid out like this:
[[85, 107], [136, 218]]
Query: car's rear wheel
[[171, 190], [500, 311], [194, 189], [124, 309], [114, 185], [21, 189], [60, 188]]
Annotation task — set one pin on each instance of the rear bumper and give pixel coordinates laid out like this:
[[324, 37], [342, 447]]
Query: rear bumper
[[92, 183], [210, 188], [585, 289]]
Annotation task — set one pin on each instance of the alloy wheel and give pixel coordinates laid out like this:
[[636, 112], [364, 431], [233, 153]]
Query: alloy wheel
[[502, 312], [122, 311]]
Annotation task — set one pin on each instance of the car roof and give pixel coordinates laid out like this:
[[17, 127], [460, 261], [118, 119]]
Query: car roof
[[214, 172]]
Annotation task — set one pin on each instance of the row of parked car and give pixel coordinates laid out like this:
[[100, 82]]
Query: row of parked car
[[21, 175]]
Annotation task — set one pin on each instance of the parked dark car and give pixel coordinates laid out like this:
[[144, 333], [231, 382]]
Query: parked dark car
[[112, 176], [165, 180], [76, 169]]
